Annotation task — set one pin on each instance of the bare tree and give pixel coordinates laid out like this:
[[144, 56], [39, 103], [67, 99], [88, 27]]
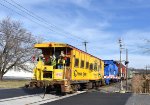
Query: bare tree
[[16, 46]]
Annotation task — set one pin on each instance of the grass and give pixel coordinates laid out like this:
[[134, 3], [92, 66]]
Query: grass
[[13, 83]]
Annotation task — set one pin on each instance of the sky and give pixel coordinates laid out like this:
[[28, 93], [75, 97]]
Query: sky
[[99, 22]]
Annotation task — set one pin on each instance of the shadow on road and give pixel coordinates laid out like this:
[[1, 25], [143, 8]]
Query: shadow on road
[[10, 93]]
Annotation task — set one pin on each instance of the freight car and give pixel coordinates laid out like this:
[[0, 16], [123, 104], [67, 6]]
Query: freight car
[[122, 71], [77, 69], [110, 71]]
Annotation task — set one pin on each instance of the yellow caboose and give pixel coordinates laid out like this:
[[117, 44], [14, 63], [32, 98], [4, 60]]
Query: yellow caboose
[[67, 68]]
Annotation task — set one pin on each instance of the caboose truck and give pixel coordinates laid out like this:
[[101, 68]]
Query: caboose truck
[[81, 70]]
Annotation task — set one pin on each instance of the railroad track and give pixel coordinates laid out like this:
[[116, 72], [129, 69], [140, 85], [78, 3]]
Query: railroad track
[[35, 99]]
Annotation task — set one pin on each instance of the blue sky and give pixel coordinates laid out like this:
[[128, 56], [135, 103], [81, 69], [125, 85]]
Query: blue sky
[[100, 22]]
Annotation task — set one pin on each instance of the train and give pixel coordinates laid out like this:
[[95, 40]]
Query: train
[[122, 70], [111, 72], [64, 68]]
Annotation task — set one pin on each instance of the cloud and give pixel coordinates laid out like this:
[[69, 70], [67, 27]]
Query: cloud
[[139, 60], [101, 23], [80, 3], [135, 41]]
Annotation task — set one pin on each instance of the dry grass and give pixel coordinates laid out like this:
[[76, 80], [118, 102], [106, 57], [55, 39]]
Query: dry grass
[[13, 83], [138, 82]]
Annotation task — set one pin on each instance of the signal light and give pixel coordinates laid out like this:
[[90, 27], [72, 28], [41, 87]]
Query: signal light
[[126, 62]]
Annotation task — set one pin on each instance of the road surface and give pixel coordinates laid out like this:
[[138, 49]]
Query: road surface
[[9, 93], [99, 98]]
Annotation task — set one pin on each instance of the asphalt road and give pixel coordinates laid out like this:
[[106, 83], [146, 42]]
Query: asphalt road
[[94, 98], [9, 93], [87, 98]]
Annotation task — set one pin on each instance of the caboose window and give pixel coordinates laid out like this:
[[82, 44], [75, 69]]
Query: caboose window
[[99, 67], [87, 65], [76, 62], [91, 66], [82, 64], [47, 74], [95, 66], [100, 64]]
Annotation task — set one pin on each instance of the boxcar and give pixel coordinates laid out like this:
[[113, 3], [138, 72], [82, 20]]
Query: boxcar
[[123, 70]]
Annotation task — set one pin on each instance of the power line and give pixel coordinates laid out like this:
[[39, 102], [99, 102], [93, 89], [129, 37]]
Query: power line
[[21, 10], [35, 17], [44, 20], [29, 11], [32, 14], [27, 17], [22, 15]]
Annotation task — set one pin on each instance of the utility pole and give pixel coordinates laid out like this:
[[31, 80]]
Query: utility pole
[[120, 68], [126, 63], [146, 69], [85, 43]]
